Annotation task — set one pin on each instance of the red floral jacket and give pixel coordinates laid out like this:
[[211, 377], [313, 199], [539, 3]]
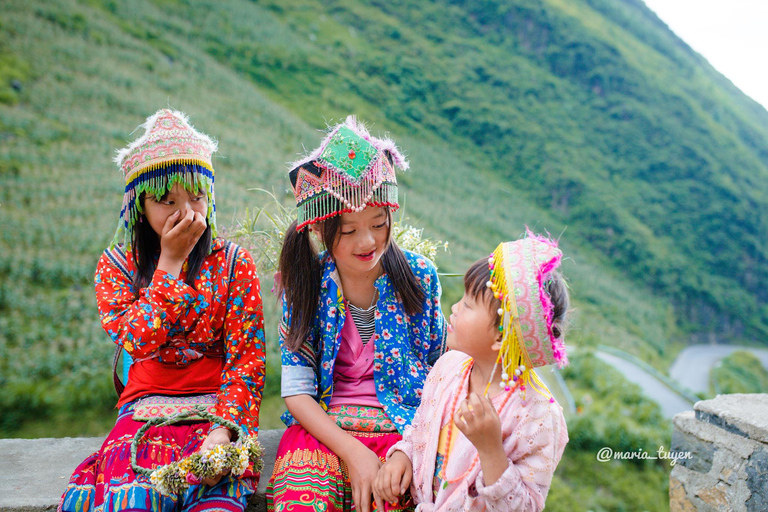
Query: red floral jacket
[[177, 324]]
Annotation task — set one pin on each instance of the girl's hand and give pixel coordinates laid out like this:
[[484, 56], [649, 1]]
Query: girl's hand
[[363, 466], [393, 479], [219, 436], [178, 238], [479, 422]]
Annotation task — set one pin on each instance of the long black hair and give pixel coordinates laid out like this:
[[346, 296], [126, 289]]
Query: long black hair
[[301, 272], [146, 248]]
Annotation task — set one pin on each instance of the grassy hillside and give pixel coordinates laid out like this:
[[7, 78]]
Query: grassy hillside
[[592, 109], [584, 118], [740, 372]]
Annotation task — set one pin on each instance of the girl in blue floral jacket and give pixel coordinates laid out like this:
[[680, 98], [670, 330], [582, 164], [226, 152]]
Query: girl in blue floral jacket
[[361, 326]]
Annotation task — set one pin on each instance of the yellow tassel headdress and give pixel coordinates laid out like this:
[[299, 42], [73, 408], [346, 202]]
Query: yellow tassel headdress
[[519, 273]]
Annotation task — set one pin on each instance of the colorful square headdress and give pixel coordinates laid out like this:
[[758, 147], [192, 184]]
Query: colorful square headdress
[[170, 151], [519, 273], [350, 171]]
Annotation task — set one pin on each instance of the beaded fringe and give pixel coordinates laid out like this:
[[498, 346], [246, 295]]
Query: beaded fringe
[[157, 180], [340, 193], [344, 198]]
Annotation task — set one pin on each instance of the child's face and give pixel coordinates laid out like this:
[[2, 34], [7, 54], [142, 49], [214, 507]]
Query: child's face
[[361, 241], [157, 212], [472, 328]]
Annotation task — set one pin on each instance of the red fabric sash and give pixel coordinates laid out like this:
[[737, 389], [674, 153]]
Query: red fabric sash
[[152, 377]]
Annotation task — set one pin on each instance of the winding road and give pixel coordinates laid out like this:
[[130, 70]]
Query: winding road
[[690, 370], [670, 401], [692, 366]]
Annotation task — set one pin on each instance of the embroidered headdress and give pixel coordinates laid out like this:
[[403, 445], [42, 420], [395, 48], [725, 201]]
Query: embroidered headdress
[[519, 274], [348, 172], [170, 151]]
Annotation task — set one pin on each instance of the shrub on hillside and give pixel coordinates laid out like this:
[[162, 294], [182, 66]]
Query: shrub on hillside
[[740, 372], [612, 412]]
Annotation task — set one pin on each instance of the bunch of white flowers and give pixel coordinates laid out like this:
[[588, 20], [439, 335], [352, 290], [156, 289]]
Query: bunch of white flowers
[[250, 449], [262, 229], [176, 477], [412, 239], [168, 480]]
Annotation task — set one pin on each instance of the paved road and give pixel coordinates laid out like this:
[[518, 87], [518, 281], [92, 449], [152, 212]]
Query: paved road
[[671, 403], [692, 366]]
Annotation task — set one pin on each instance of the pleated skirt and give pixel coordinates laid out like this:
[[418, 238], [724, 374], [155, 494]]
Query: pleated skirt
[[106, 482]]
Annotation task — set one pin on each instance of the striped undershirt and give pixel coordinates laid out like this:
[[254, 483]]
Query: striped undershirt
[[364, 321]]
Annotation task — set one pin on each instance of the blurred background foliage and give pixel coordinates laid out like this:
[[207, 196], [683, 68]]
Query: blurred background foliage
[[740, 372], [587, 119]]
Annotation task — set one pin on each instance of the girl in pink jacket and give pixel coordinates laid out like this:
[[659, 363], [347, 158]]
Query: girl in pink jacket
[[488, 435]]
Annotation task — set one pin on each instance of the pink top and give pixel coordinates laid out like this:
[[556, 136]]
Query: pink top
[[353, 373], [534, 436]]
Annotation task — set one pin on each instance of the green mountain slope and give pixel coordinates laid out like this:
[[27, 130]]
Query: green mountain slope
[[592, 109], [586, 118]]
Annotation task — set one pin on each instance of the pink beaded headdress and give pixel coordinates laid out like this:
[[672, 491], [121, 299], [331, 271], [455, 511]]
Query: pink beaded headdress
[[519, 274], [170, 151], [348, 172]]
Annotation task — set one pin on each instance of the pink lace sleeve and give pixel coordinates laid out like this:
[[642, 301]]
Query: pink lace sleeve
[[417, 433], [534, 448], [404, 445]]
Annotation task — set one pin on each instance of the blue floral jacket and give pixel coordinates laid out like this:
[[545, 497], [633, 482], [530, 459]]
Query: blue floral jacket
[[405, 347]]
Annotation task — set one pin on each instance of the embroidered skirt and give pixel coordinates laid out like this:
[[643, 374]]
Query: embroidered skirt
[[310, 477], [105, 481]]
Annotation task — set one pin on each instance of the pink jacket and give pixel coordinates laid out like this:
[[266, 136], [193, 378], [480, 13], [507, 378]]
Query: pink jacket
[[534, 437]]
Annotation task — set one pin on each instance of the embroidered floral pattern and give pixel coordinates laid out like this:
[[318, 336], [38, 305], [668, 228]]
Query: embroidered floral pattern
[[403, 354], [176, 323], [361, 418]]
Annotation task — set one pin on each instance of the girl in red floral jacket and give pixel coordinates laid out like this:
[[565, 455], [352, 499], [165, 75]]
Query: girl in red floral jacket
[[186, 306]]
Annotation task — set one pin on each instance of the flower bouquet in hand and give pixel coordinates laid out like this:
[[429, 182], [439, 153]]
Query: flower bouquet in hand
[[176, 477]]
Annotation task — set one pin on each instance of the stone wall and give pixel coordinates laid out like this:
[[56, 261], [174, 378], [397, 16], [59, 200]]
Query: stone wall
[[722, 463], [34, 472]]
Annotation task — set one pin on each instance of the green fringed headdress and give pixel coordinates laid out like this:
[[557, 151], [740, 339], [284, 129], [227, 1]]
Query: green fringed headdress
[[348, 172], [170, 151]]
